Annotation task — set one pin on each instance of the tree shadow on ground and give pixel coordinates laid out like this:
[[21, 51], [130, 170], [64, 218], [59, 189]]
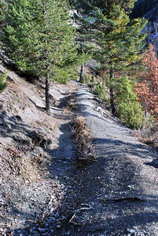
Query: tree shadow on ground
[[116, 147], [100, 197]]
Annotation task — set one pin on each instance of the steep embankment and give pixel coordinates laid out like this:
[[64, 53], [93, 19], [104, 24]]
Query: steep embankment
[[28, 140]]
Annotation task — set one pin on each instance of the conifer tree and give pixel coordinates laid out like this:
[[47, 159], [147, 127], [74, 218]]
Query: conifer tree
[[87, 6], [115, 40], [38, 37], [120, 46]]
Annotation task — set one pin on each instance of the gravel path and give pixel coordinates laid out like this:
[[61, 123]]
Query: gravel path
[[118, 193]]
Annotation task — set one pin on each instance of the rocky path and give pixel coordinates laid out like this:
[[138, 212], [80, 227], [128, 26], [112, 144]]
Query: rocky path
[[120, 189], [116, 195]]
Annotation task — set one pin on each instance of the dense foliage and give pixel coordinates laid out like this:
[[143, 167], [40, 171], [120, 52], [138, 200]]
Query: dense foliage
[[114, 40], [38, 37], [87, 6], [128, 108]]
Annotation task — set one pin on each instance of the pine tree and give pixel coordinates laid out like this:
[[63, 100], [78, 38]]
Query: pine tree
[[120, 47], [87, 6], [3, 7], [38, 37], [115, 40]]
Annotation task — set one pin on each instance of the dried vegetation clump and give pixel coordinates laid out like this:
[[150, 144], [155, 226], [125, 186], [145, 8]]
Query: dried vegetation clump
[[70, 103], [83, 140], [148, 136], [20, 165]]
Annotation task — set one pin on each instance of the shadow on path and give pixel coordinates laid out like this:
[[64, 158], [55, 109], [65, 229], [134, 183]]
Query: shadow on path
[[105, 198]]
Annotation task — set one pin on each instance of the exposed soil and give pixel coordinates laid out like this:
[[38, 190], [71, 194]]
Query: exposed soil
[[48, 190], [29, 173]]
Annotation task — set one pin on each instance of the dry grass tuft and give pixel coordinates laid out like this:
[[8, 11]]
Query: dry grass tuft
[[66, 111], [22, 166], [71, 103], [148, 136], [83, 140]]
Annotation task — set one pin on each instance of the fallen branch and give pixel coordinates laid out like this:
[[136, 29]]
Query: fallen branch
[[85, 151], [78, 211]]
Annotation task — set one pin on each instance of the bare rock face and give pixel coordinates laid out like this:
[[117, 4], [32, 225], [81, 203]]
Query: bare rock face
[[143, 7], [149, 10]]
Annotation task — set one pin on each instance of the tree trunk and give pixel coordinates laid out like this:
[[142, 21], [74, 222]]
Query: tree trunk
[[81, 75], [112, 99], [47, 83]]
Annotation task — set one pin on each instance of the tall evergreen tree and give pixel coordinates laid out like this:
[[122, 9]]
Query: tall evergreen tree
[[115, 39], [37, 35], [120, 45]]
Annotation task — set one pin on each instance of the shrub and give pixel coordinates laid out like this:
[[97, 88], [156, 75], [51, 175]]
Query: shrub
[[85, 152], [129, 109], [101, 91], [3, 82]]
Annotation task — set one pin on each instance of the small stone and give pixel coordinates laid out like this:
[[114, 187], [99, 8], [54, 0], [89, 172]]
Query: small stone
[[67, 233], [132, 231], [41, 229], [58, 226]]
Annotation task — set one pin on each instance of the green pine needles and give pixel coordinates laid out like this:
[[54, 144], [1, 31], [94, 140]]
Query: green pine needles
[[119, 45], [129, 110], [39, 38], [116, 42]]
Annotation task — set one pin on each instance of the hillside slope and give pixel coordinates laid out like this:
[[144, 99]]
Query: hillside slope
[[48, 191], [28, 136]]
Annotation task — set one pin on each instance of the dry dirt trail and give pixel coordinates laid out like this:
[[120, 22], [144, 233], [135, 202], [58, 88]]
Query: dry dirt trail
[[116, 195], [120, 189]]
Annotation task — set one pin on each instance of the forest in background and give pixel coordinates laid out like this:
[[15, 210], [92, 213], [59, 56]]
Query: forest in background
[[53, 39]]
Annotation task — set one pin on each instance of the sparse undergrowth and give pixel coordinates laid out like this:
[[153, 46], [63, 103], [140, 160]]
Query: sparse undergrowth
[[70, 104], [23, 166], [83, 139], [148, 136]]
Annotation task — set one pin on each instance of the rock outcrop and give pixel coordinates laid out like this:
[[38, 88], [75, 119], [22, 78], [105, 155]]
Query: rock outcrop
[[149, 10]]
